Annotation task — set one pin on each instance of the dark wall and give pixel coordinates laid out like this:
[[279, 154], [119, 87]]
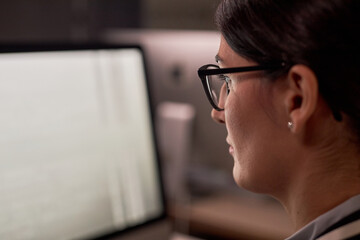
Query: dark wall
[[59, 20], [179, 14], [82, 20]]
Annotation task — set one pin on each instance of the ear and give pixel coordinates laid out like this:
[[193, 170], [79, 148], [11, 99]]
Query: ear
[[302, 96]]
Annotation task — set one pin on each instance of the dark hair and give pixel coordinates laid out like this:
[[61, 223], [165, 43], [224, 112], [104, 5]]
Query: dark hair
[[322, 34]]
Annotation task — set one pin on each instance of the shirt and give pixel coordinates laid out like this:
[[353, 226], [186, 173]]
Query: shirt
[[322, 223]]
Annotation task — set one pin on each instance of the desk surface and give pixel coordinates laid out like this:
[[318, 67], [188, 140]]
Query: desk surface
[[228, 217]]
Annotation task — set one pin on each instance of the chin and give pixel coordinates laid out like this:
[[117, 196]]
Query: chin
[[253, 183], [239, 177]]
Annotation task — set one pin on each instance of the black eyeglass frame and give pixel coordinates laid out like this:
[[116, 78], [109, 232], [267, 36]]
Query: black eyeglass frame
[[204, 71]]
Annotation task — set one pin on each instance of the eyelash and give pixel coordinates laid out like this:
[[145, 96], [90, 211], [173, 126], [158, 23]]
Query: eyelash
[[225, 78]]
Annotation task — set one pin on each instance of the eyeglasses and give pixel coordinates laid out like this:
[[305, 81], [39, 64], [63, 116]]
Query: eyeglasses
[[216, 84]]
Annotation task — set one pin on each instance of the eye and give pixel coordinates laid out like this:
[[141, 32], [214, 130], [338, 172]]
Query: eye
[[227, 80], [222, 77]]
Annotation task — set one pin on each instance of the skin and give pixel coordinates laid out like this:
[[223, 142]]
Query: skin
[[310, 168]]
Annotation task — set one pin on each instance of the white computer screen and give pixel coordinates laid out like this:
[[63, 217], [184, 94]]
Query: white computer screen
[[77, 152]]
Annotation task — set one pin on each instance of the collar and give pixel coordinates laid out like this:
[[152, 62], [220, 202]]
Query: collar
[[323, 222]]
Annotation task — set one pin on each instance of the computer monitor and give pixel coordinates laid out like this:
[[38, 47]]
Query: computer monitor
[[78, 156]]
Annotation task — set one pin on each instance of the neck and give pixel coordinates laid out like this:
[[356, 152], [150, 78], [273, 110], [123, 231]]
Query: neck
[[322, 188], [310, 204]]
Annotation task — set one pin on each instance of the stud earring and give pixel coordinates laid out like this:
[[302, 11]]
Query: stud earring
[[290, 125]]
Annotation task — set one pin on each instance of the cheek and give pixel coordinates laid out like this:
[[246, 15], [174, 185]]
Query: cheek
[[251, 132], [241, 107]]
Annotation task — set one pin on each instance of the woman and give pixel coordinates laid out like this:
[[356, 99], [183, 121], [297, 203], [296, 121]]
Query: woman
[[287, 88]]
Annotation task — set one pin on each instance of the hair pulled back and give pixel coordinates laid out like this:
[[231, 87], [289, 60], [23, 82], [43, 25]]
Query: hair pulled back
[[322, 35]]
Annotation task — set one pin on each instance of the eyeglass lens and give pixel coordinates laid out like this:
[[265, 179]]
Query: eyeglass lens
[[218, 89]]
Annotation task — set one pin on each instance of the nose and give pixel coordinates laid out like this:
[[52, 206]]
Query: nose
[[218, 116]]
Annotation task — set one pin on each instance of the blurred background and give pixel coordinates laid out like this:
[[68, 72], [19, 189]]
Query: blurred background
[[178, 37], [79, 20]]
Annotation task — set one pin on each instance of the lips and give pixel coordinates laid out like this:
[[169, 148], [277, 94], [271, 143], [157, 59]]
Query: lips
[[231, 149]]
